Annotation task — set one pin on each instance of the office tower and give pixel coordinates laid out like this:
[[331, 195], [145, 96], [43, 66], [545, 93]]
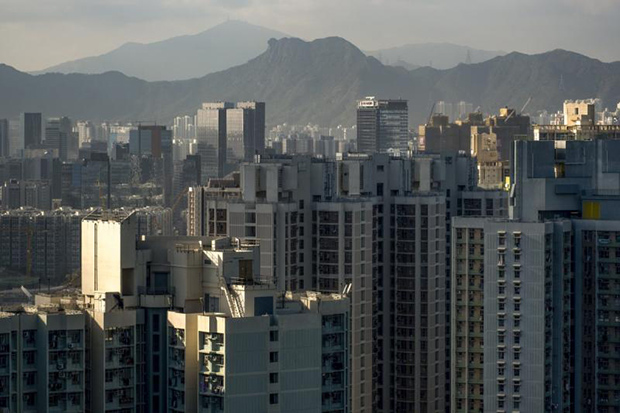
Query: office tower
[[85, 131], [511, 298], [253, 130], [211, 139], [186, 175], [382, 125], [227, 134], [92, 181], [31, 130], [184, 128], [59, 137], [5, 146], [155, 142]]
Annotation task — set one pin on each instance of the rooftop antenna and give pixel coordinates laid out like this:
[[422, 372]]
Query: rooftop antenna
[[468, 57]]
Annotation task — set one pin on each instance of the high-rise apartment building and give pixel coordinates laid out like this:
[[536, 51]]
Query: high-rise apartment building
[[218, 338], [31, 130], [382, 125], [42, 360], [376, 223], [34, 194], [439, 135], [41, 244], [579, 112], [227, 134], [596, 315], [560, 178], [511, 301]]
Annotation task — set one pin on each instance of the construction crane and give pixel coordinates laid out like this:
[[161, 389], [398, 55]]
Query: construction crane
[[430, 115], [522, 109], [526, 103], [175, 204]]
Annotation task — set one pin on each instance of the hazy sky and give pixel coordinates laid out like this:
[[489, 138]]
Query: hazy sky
[[35, 34]]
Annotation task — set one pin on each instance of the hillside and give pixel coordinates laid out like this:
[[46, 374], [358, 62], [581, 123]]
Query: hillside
[[183, 57], [318, 82], [437, 55]]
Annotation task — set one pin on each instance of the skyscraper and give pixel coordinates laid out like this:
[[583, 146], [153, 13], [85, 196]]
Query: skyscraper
[[60, 137], [156, 142], [228, 133], [31, 130], [382, 125], [4, 138]]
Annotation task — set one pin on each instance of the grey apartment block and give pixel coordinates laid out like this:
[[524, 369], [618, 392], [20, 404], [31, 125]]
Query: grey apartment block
[[511, 301]]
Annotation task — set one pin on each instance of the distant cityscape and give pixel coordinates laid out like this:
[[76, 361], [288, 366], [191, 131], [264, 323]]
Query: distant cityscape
[[221, 264]]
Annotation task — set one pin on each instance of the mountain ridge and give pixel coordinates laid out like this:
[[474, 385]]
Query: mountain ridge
[[233, 42], [318, 82], [441, 55]]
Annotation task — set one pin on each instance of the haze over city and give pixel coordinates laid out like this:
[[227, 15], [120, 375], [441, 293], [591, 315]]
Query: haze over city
[[287, 206], [35, 34]]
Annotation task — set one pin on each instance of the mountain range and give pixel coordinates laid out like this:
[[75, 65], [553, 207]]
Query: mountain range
[[183, 57], [437, 55], [235, 42], [317, 82]]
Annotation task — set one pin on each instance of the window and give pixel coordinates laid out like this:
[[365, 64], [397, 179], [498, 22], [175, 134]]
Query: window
[[273, 357], [380, 189], [273, 335], [273, 398], [273, 378]]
